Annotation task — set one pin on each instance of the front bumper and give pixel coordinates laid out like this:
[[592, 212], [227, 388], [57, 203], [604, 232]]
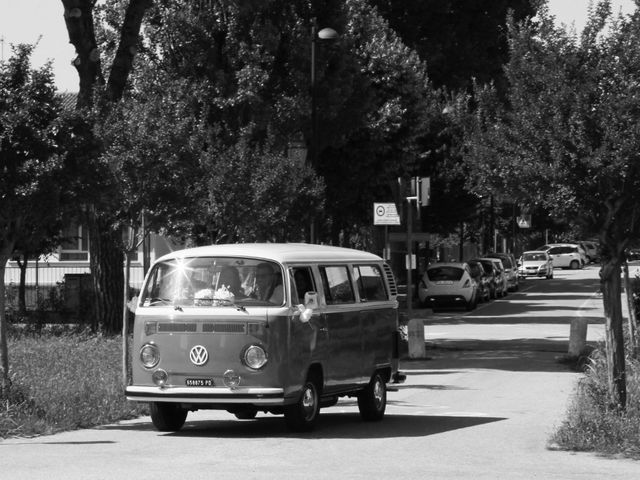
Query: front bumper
[[223, 395]]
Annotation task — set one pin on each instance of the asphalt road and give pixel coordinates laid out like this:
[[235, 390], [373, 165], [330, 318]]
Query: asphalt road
[[483, 405]]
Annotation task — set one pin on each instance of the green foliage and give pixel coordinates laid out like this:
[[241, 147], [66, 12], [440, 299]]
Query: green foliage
[[459, 40], [30, 166], [63, 381], [258, 194], [592, 424], [568, 140], [246, 67]]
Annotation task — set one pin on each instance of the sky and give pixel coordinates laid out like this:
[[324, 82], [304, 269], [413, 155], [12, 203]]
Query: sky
[[30, 21]]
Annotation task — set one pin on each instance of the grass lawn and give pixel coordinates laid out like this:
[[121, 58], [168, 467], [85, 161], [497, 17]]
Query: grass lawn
[[63, 381]]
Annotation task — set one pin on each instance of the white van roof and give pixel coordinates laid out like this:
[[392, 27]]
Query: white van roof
[[280, 252]]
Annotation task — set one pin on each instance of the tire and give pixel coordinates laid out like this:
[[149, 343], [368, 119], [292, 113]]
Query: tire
[[471, 304], [574, 265], [248, 414], [302, 415], [372, 401], [168, 417]]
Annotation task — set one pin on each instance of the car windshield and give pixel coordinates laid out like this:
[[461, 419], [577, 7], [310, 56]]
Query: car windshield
[[213, 281], [439, 274], [506, 261], [487, 265], [533, 257]]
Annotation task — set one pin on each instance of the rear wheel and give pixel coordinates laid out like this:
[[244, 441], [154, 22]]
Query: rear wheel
[[372, 401], [302, 415], [574, 265], [168, 417]]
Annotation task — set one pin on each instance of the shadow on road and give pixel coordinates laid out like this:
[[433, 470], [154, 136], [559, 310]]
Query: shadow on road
[[334, 425]]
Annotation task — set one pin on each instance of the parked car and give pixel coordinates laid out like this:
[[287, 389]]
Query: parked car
[[565, 262], [564, 255], [535, 263], [593, 254], [633, 254], [483, 279], [493, 267], [510, 269], [448, 285]]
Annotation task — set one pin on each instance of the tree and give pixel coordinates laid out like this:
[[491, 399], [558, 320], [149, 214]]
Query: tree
[[569, 141], [104, 229], [29, 163], [250, 64], [460, 40]]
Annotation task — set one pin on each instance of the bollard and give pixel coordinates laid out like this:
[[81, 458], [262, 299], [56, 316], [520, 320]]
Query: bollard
[[577, 337], [415, 332]]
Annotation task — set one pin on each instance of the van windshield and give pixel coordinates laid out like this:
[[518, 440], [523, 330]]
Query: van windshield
[[213, 282]]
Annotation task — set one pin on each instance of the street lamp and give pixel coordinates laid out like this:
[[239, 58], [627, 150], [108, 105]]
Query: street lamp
[[323, 34]]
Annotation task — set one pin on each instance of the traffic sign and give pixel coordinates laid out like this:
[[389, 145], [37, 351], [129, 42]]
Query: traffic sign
[[524, 221], [385, 214]]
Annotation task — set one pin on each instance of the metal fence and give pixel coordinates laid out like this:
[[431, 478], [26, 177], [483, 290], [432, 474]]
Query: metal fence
[[48, 283]]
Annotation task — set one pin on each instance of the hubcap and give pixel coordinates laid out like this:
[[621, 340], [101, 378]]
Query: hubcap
[[378, 394], [309, 402]]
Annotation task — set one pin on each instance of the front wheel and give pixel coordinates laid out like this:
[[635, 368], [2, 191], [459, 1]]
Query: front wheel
[[302, 415], [168, 417], [372, 401], [574, 265]]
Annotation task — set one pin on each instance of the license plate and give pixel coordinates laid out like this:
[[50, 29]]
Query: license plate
[[444, 282], [199, 382]]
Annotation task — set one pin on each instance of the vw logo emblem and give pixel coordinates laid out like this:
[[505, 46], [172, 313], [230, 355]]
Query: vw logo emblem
[[199, 355]]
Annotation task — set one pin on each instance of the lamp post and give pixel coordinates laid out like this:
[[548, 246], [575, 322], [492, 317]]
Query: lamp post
[[324, 34]]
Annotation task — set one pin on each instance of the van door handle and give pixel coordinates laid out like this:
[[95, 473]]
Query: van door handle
[[323, 329]]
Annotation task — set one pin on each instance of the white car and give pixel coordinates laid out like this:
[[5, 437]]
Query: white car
[[565, 255], [448, 285], [535, 263]]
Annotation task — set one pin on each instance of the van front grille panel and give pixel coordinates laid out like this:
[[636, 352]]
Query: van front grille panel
[[177, 327], [239, 328]]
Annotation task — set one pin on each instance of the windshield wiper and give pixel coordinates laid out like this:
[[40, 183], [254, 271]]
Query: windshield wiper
[[228, 301], [163, 301]]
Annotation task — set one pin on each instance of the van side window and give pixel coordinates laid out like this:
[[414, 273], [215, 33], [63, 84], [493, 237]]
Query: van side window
[[302, 283], [370, 283], [336, 284]]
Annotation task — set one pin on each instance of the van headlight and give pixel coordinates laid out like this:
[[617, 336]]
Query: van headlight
[[254, 357], [149, 355]]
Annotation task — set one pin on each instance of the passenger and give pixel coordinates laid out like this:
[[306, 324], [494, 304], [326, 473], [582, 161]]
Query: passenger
[[230, 278], [268, 285]]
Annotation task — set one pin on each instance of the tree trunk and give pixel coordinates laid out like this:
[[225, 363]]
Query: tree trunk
[[633, 320], [611, 290], [78, 17], [22, 301], [107, 275], [5, 382]]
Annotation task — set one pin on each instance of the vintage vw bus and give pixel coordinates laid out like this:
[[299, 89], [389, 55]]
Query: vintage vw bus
[[278, 328]]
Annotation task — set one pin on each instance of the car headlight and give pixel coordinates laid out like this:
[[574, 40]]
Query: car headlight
[[149, 355], [254, 357]]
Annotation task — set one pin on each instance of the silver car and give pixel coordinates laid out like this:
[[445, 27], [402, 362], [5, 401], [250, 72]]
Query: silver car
[[535, 263]]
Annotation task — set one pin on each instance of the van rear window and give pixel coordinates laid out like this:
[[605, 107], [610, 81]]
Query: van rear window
[[370, 283], [336, 284]]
